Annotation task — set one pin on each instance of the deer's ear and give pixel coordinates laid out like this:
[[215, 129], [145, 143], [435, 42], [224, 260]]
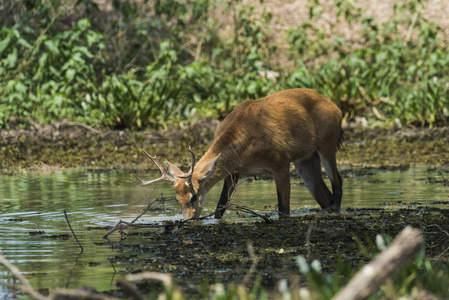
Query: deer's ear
[[174, 170], [209, 169]]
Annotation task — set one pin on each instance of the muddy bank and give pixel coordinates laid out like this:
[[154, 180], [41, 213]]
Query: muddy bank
[[72, 145], [198, 254]]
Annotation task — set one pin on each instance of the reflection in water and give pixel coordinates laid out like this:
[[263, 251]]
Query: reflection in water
[[32, 219]]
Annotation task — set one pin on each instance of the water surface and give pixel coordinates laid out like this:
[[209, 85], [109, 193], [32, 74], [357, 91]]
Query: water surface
[[34, 234]]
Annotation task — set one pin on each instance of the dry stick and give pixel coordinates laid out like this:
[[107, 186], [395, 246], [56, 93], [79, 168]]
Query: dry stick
[[246, 209], [445, 181], [239, 207], [25, 285], [253, 267], [129, 224], [308, 235], [67, 219], [367, 281]]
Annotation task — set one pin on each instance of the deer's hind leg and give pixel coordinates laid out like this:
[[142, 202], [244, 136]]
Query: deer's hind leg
[[328, 158], [310, 171]]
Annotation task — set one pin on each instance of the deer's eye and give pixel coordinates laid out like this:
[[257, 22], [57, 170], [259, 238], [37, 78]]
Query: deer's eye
[[193, 198]]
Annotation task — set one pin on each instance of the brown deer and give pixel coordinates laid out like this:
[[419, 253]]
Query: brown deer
[[266, 135]]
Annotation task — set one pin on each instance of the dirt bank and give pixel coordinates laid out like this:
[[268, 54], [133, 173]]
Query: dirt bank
[[198, 254], [71, 145]]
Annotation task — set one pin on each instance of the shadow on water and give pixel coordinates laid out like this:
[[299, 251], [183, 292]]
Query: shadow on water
[[35, 237]]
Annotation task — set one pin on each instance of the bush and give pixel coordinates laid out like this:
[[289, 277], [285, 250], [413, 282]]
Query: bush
[[140, 65]]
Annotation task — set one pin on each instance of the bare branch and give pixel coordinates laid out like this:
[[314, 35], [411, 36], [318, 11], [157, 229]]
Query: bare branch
[[247, 210], [255, 261], [121, 225]]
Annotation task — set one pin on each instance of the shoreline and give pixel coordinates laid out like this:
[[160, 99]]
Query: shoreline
[[69, 145]]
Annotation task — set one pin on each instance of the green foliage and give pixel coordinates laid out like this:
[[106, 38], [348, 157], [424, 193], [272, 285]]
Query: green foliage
[[420, 274], [46, 79], [402, 78], [120, 68]]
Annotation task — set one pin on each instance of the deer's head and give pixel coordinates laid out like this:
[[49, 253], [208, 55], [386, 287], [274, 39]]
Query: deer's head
[[190, 186]]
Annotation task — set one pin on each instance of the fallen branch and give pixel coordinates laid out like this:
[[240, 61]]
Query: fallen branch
[[252, 269], [404, 247], [312, 224]]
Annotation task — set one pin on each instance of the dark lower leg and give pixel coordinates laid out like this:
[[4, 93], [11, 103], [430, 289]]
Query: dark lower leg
[[229, 185], [282, 180]]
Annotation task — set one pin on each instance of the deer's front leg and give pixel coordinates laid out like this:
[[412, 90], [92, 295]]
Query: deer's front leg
[[282, 180], [229, 185]]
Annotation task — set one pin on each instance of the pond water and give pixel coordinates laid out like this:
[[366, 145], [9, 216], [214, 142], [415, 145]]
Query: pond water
[[34, 234]]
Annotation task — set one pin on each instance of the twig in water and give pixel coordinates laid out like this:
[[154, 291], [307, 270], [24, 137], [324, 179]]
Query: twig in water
[[445, 181], [119, 225], [67, 219], [247, 210], [24, 285]]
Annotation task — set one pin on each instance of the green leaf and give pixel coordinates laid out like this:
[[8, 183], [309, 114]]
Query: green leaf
[[5, 43], [43, 60], [24, 43], [52, 47], [70, 74], [12, 59], [83, 24]]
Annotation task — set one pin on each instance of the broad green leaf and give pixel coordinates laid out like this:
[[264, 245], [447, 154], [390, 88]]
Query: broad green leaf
[[70, 74], [52, 47]]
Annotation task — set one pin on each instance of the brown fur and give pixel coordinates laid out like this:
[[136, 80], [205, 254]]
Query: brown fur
[[266, 135]]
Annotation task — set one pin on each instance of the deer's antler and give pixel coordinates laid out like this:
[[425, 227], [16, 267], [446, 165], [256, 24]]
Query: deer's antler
[[188, 175], [165, 176]]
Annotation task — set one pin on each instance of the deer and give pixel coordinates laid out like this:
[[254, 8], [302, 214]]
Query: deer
[[297, 126]]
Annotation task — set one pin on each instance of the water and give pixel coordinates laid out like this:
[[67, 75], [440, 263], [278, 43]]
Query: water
[[32, 222]]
